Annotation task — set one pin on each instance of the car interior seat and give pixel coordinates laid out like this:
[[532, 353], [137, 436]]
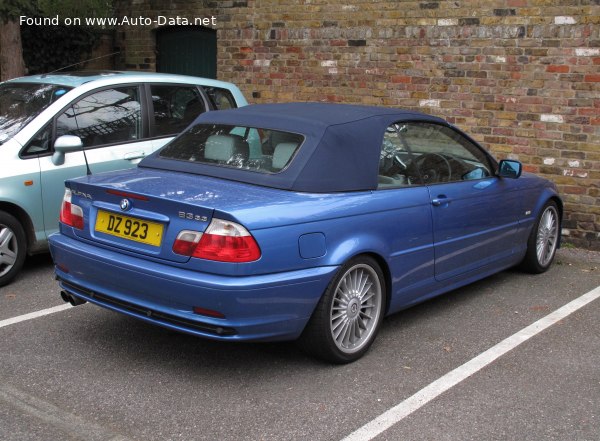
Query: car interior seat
[[282, 154], [227, 149]]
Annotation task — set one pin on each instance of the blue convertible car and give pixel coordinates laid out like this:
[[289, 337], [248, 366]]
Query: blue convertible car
[[300, 221]]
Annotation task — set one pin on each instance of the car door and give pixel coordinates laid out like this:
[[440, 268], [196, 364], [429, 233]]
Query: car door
[[407, 221], [110, 123], [475, 213]]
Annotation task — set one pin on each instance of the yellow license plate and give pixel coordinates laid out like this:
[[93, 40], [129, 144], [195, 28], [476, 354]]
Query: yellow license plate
[[129, 228]]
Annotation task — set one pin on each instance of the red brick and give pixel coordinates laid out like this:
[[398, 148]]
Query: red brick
[[558, 68], [531, 168], [588, 111], [571, 189], [400, 79], [592, 78]]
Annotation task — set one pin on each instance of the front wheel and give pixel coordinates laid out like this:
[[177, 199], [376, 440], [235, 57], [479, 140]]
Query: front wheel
[[349, 314], [13, 247], [543, 240]]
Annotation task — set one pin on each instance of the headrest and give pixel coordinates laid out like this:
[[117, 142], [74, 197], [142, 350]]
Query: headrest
[[223, 148], [282, 154]]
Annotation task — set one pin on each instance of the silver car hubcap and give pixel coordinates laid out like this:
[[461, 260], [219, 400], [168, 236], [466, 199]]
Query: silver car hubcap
[[355, 309], [547, 235], [8, 249]]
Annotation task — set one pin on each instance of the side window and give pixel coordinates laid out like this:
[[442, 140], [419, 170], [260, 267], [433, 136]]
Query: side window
[[175, 107], [395, 160], [427, 153], [106, 117], [221, 98], [40, 143]]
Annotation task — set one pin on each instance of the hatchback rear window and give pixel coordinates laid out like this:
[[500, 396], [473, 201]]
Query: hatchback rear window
[[249, 148]]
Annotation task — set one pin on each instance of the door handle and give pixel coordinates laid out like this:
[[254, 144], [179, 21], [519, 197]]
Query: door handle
[[134, 155], [441, 200]]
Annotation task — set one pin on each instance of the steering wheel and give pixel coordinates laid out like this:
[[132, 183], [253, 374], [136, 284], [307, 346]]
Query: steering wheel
[[433, 168]]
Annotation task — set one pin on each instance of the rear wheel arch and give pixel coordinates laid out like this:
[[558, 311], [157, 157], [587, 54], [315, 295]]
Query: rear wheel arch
[[338, 256], [383, 265]]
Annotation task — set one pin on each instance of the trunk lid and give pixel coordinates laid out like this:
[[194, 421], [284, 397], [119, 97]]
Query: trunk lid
[[142, 213]]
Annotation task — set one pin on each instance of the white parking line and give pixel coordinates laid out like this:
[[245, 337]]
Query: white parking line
[[451, 379], [32, 315]]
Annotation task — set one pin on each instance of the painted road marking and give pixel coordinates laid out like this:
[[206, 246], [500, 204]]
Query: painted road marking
[[433, 390], [32, 315]]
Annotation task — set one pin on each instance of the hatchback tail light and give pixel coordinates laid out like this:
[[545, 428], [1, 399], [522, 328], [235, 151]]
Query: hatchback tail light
[[223, 241], [71, 214]]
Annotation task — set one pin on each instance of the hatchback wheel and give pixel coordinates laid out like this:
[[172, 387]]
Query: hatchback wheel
[[13, 247], [543, 240], [349, 314]]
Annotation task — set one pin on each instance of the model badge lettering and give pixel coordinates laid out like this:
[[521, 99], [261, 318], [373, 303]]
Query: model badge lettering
[[81, 194], [192, 216]]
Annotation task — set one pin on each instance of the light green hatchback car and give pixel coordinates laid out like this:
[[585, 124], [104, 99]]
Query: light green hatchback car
[[59, 126]]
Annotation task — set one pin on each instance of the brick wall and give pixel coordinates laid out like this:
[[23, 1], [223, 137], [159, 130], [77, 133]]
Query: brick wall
[[522, 76]]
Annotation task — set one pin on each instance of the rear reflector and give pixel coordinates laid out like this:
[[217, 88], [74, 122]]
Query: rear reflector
[[208, 312], [223, 241]]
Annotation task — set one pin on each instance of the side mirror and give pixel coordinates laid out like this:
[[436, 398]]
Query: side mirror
[[509, 169], [65, 144]]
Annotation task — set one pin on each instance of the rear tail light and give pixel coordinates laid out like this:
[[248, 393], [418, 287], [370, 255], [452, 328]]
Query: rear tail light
[[71, 214], [223, 241]]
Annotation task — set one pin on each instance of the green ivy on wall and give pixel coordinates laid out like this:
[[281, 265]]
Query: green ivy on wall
[[49, 48]]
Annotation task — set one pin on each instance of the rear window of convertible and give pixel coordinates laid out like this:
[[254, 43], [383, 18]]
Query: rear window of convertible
[[249, 148]]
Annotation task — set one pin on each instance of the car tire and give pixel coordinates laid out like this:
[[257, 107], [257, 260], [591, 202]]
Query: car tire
[[543, 240], [349, 314], [13, 247]]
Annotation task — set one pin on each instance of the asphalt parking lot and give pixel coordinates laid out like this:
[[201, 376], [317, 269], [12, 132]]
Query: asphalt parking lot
[[87, 373]]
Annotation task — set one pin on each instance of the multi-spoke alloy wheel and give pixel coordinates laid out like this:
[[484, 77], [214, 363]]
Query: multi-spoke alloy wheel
[[543, 240], [355, 309], [348, 316], [8, 249], [12, 247], [547, 236]]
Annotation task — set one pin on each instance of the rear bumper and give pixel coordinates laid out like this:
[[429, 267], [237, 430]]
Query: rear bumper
[[266, 307]]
